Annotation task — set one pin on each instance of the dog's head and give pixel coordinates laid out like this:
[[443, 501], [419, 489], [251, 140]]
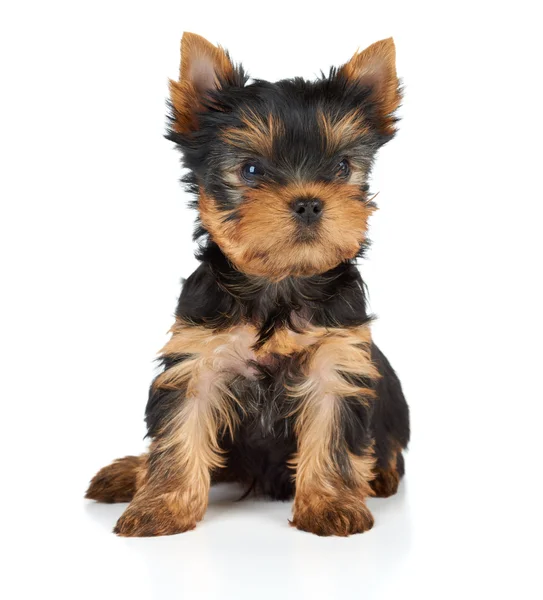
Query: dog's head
[[280, 169]]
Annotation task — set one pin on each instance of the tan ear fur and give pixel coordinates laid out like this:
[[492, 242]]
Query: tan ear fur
[[203, 65], [376, 67]]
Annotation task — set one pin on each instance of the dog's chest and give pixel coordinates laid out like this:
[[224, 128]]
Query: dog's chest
[[264, 374]]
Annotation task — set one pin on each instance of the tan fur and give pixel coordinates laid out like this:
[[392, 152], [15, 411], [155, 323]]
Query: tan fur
[[333, 509], [261, 241], [387, 479], [202, 64], [175, 495], [343, 130], [325, 503], [376, 66], [256, 136], [170, 486], [340, 132], [119, 481]]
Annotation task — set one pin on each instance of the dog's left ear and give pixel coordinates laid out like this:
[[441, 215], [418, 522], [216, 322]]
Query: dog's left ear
[[375, 67], [204, 67]]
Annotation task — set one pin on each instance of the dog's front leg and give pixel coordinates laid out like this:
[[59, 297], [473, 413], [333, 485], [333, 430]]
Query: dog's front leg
[[189, 406], [334, 463]]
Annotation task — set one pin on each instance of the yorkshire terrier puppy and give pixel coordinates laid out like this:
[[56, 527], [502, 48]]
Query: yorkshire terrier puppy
[[271, 377]]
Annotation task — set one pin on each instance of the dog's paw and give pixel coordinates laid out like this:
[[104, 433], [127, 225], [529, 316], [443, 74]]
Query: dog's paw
[[386, 483], [152, 519], [332, 517], [118, 482]]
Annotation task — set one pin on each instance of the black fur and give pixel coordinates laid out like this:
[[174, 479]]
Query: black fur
[[217, 295], [265, 441], [297, 104]]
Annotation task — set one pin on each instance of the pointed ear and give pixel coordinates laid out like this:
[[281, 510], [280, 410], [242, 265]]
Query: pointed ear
[[375, 67], [204, 67]]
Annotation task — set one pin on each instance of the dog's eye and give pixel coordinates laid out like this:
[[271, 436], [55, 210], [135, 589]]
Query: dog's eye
[[343, 169], [251, 171]]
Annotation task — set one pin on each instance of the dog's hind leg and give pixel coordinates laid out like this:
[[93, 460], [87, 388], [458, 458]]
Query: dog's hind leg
[[390, 426], [387, 478], [119, 481]]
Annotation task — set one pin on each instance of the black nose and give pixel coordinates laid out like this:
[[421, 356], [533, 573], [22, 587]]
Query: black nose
[[307, 210]]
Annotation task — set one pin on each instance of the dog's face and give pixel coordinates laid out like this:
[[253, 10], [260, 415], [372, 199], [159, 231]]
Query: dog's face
[[281, 169]]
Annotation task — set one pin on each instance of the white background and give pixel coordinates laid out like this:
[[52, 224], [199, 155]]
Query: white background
[[95, 237]]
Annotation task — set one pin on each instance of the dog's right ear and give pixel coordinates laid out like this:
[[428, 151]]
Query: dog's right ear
[[204, 67]]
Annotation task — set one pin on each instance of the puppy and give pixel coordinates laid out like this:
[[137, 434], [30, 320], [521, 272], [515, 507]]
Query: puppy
[[271, 377]]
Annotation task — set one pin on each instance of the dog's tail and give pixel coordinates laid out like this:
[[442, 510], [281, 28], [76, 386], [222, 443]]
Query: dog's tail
[[119, 481]]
